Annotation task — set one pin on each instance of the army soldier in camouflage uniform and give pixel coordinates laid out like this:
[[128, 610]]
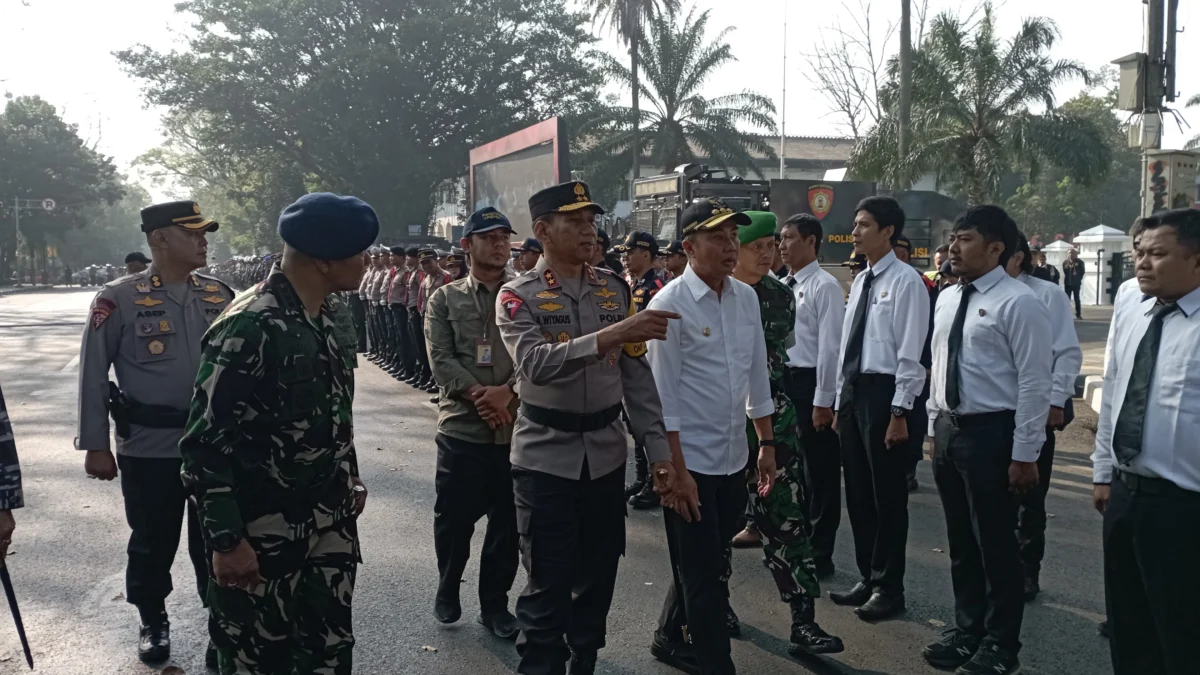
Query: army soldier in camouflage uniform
[[576, 356], [639, 251], [782, 516], [269, 451], [147, 327], [11, 496]]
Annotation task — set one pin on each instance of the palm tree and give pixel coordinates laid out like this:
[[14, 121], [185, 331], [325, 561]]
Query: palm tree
[[905, 113], [1194, 144], [679, 122], [972, 122], [627, 17]]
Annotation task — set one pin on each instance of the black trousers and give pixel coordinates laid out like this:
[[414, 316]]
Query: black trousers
[[700, 595], [359, 310], [1074, 293], [155, 501], [1151, 547], [416, 332], [404, 344], [572, 539], [372, 327], [918, 429], [1031, 513], [475, 480], [876, 483], [822, 464], [970, 466]]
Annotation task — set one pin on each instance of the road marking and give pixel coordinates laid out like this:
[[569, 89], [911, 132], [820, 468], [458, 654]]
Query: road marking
[[70, 365]]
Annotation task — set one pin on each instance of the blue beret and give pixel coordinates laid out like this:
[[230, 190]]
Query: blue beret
[[328, 227], [486, 220]]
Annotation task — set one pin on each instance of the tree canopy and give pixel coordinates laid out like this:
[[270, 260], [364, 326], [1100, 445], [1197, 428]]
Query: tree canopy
[[379, 99]]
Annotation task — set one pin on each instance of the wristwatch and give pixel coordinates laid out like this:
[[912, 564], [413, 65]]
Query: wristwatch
[[897, 411], [766, 444], [225, 542], [358, 488]]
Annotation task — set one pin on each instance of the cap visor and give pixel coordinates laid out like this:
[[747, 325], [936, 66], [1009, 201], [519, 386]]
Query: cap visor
[[205, 225], [736, 218], [580, 205], [496, 226]]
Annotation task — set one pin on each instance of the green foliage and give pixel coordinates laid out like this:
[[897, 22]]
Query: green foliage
[[1194, 144], [973, 119], [41, 157], [376, 98], [678, 123]]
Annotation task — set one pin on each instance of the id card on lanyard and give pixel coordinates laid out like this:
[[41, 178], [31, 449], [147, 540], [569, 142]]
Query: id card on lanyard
[[483, 345]]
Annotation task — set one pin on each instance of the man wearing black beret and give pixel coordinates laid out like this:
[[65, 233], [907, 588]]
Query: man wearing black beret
[[577, 353], [269, 451]]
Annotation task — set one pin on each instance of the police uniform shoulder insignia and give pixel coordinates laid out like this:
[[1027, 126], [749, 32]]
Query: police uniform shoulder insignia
[[547, 295], [156, 347], [550, 306], [591, 272], [511, 302], [214, 299], [551, 279], [194, 281], [155, 281], [101, 309], [564, 336], [147, 302], [609, 305], [604, 293], [142, 287]]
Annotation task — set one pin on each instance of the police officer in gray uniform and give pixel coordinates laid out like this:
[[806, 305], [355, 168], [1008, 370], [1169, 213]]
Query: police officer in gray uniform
[[575, 355], [148, 327]]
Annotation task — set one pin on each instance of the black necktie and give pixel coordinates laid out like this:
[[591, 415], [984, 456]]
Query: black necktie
[[852, 363], [1127, 433], [954, 348], [790, 281]]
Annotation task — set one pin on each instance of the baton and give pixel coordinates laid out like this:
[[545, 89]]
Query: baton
[[16, 612]]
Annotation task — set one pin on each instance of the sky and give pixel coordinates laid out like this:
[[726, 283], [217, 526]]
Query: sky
[[62, 51]]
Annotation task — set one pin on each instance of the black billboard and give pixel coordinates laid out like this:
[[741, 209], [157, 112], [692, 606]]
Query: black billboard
[[832, 202]]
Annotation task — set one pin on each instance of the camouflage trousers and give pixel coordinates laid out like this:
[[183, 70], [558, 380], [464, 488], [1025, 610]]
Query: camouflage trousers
[[296, 624], [782, 519]]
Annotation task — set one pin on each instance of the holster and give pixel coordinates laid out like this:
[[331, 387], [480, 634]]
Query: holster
[[118, 408]]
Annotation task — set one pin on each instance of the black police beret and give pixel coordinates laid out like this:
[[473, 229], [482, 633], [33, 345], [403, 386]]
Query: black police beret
[[531, 244], [328, 227], [184, 214], [486, 220], [643, 240], [412, 251], [709, 213], [562, 198], [397, 250], [137, 256]]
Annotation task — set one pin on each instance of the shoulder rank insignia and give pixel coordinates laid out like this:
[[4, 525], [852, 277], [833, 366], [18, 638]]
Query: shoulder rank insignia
[[550, 306], [591, 272], [147, 301], [604, 293], [550, 278], [142, 287], [214, 299], [211, 288], [547, 295], [155, 281], [156, 347], [195, 281], [609, 305]]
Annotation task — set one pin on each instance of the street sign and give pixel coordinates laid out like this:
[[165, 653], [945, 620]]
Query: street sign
[[48, 204]]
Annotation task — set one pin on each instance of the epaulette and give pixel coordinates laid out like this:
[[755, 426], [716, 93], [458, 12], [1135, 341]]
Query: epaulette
[[128, 278], [607, 273], [524, 278], [209, 277]]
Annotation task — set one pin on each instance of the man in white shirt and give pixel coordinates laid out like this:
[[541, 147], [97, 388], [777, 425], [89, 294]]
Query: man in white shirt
[[810, 378], [1146, 468], [1067, 360], [988, 402], [879, 377], [711, 373]]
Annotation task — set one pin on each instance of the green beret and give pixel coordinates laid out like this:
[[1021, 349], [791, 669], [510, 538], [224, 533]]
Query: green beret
[[762, 224]]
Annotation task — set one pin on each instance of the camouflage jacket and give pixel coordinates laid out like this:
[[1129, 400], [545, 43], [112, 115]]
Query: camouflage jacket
[[269, 447], [777, 305], [10, 470]]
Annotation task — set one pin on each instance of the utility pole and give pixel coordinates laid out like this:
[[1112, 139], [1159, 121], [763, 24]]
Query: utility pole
[[783, 106]]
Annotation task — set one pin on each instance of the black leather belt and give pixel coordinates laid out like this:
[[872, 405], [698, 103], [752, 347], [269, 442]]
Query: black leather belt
[[570, 422], [978, 419], [156, 416], [1154, 486]]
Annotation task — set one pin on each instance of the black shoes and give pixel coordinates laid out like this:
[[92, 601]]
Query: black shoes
[[913, 485], [825, 569], [1104, 629], [733, 625], [952, 649], [674, 653], [856, 596], [154, 641], [502, 624], [634, 487], [990, 660], [807, 637], [1031, 588], [446, 607], [880, 607], [210, 656], [583, 663], [646, 499]]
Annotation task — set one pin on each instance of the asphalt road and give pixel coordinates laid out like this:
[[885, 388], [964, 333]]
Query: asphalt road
[[69, 558]]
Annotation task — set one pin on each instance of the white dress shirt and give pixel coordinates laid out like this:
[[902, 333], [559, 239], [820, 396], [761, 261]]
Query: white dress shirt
[[1068, 357], [1172, 423], [897, 325], [820, 311], [711, 371], [1005, 359]]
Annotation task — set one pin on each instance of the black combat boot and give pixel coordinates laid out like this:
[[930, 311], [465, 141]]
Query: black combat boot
[[583, 663], [646, 499], [154, 639], [641, 472], [807, 636], [210, 656]]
